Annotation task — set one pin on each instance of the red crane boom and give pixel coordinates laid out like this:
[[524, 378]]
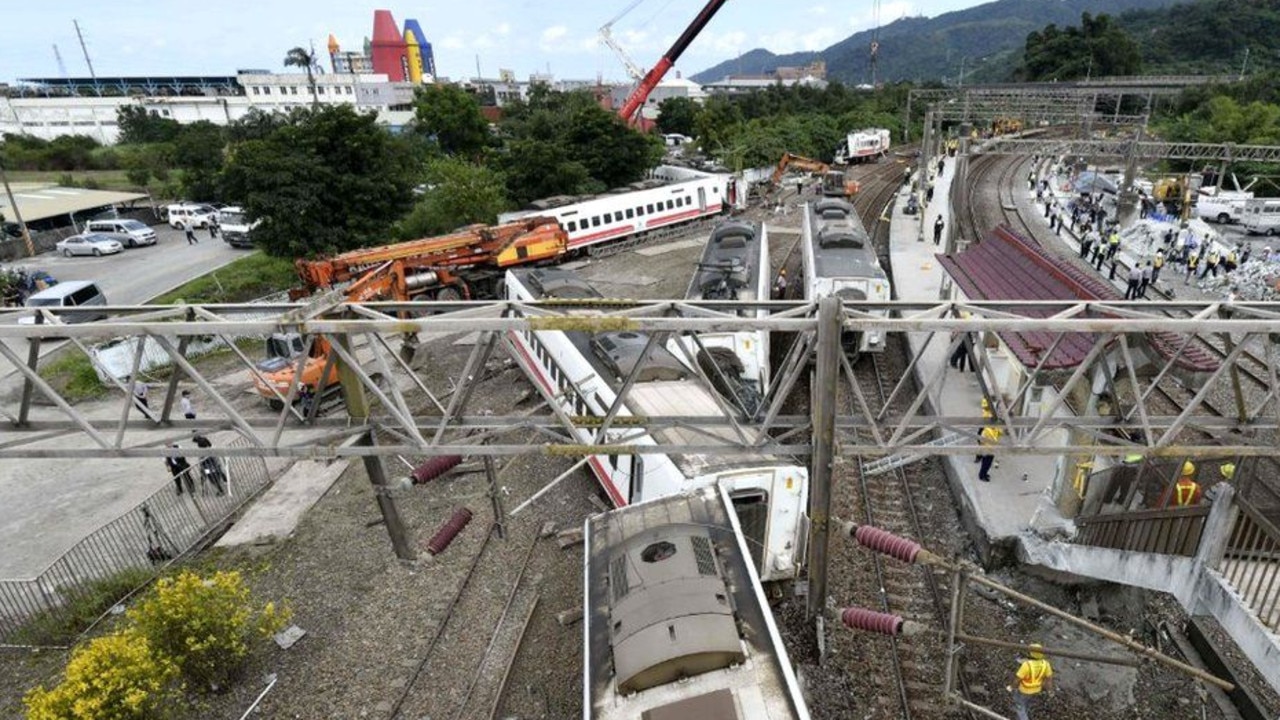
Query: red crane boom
[[651, 79]]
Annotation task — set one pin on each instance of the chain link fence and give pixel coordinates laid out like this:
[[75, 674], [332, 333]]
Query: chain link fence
[[114, 561]]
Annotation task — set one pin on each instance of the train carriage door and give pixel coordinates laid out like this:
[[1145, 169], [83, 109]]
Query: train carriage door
[[752, 507], [702, 200], [635, 490]]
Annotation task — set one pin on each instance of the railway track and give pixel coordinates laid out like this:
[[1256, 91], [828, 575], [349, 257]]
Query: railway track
[[467, 677]]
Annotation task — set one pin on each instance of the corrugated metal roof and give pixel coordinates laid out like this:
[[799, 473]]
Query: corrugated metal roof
[[1007, 266], [40, 202]]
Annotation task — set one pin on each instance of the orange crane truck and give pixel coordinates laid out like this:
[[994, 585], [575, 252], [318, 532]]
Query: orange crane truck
[[464, 265], [834, 183]]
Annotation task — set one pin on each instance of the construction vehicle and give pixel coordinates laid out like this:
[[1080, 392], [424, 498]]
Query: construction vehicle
[[468, 264], [319, 379], [630, 109], [834, 183], [464, 265], [1006, 126]]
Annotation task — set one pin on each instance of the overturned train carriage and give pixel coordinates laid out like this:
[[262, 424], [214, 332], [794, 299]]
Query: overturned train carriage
[[676, 624]]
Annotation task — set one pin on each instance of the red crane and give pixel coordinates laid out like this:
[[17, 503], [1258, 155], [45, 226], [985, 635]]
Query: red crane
[[651, 79]]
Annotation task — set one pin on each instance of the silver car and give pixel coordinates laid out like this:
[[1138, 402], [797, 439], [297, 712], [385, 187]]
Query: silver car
[[89, 244]]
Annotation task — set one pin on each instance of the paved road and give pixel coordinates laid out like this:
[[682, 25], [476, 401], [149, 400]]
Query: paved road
[[128, 278]]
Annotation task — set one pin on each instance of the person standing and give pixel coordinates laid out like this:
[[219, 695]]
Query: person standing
[[1113, 244], [188, 410], [190, 230], [140, 395], [181, 471], [1145, 282], [1034, 676], [212, 226], [1156, 264], [988, 437], [960, 358], [1085, 241], [1135, 280], [780, 285], [937, 230], [1192, 261]]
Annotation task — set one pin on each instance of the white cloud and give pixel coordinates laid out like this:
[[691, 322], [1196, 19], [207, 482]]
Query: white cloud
[[503, 30], [818, 10], [453, 42], [786, 41], [553, 34], [728, 42]]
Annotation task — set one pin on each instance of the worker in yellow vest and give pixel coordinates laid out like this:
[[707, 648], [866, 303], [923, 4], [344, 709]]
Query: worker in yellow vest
[[1034, 675], [1186, 492]]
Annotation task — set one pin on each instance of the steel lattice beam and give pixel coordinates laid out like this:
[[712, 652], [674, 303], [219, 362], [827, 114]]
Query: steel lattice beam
[[1118, 333], [1123, 148]]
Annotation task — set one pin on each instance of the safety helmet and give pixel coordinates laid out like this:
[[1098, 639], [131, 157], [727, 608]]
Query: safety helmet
[[1037, 650], [1228, 470], [1133, 458], [1188, 468], [783, 271]]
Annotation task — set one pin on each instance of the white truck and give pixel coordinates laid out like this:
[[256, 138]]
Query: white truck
[[237, 231], [1262, 216]]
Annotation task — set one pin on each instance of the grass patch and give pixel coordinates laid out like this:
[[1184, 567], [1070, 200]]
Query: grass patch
[[63, 624], [249, 277], [73, 376]]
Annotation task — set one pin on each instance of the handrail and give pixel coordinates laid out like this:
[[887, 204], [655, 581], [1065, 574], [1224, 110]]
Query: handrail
[[1190, 511]]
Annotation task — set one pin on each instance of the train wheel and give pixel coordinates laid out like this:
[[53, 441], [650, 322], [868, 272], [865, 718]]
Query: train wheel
[[448, 294]]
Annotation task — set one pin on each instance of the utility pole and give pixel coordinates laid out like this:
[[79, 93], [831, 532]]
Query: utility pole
[[826, 377], [17, 214], [84, 49], [1244, 65]]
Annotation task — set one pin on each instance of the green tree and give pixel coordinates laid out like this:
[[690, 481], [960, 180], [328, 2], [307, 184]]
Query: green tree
[[139, 126], [198, 152], [612, 152], [1099, 47], [305, 59], [255, 125], [536, 169], [451, 116], [458, 193], [677, 115], [326, 181]]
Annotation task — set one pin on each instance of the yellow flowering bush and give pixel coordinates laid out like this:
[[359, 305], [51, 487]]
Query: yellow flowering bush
[[206, 626], [116, 677]]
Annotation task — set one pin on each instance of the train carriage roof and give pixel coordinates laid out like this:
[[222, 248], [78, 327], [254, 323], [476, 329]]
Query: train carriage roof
[[841, 248]]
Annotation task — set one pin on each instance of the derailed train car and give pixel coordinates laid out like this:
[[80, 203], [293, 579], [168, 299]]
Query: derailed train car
[[840, 261], [676, 624]]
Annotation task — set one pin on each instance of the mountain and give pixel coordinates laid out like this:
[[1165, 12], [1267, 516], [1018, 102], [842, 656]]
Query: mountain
[[986, 38]]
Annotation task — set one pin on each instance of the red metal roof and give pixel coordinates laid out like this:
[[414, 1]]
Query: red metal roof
[[1007, 266]]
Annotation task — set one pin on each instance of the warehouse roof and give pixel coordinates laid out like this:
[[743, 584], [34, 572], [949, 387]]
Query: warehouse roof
[[1007, 266], [40, 202]]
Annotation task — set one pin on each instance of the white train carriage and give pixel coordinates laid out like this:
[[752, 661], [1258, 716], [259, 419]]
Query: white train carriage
[[735, 266], [867, 145], [582, 373], [656, 204], [675, 623], [840, 260]]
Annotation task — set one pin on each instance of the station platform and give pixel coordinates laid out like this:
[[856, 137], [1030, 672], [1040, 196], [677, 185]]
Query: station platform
[[1019, 494]]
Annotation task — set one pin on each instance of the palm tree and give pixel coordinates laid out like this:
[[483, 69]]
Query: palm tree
[[305, 59]]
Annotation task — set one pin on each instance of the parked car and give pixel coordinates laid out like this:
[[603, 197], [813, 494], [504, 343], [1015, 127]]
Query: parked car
[[70, 294], [89, 244], [198, 213], [237, 231], [130, 233]]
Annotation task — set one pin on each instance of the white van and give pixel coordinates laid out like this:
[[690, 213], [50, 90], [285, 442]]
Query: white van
[[1219, 210], [237, 231], [200, 215], [129, 233], [69, 294], [1262, 216]]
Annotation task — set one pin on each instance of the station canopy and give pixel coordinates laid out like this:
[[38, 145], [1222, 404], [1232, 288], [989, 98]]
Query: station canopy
[[39, 202]]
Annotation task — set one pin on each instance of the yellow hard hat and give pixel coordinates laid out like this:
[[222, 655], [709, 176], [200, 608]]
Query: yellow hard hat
[[1037, 650], [1133, 458], [1228, 470], [1188, 468], [985, 404]]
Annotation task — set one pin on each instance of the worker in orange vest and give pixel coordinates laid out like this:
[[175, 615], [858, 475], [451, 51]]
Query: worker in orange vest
[[1034, 675], [1186, 492]]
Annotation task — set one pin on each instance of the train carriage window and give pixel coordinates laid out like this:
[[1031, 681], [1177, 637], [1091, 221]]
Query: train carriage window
[[670, 205], [650, 206], [608, 217], [630, 214], [640, 211], [637, 478], [571, 226], [595, 221]]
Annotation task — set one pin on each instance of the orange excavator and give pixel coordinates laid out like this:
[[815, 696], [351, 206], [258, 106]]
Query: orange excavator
[[834, 183], [466, 264]]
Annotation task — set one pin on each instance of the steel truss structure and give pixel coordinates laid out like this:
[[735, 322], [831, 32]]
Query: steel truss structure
[[410, 418], [1129, 148]]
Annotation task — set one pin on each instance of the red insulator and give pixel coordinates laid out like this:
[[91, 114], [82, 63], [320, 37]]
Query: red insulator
[[856, 618], [449, 531], [886, 543], [434, 468]]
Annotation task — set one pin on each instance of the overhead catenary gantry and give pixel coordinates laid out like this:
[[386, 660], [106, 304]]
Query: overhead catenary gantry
[[411, 418]]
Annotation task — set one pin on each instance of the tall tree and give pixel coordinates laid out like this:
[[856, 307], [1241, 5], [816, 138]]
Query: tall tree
[[326, 181], [137, 126], [458, 193], [451, 116], [1098, 47], [305, 59], [677, 115]]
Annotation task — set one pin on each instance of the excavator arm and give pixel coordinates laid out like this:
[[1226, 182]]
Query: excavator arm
[[798, 162]]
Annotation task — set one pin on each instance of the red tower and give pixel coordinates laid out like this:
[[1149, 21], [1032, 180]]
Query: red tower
[[390, 54]]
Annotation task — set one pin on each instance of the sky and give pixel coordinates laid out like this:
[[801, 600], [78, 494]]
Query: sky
[[217, 37]]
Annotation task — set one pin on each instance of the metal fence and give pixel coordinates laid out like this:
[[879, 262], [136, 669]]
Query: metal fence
[[1251, 564], [110, 563], [1175, 531]]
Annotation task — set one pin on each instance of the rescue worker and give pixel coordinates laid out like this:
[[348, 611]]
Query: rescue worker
[[780, 285], [1228, 471], [989, 437], [1156, 264], [1146, 280], [1113, 244], [1211, 263], [1186, 492], [1135, 280], [1035, 675], [1192, 261]]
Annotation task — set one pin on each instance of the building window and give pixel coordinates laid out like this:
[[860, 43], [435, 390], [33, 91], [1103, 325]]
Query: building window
[[348, 88], [293, 90], [256, 91], [266, 90]]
